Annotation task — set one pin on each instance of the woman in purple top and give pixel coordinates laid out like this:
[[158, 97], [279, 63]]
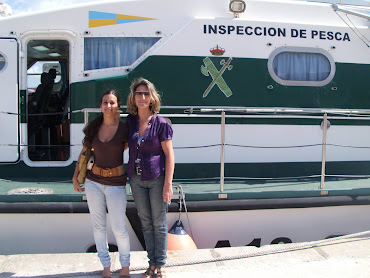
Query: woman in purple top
[[150, 169]]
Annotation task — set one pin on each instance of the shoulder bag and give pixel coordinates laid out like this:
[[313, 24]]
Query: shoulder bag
[[85, 157]]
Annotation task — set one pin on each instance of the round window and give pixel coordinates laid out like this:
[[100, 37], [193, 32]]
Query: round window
[[2, 62]]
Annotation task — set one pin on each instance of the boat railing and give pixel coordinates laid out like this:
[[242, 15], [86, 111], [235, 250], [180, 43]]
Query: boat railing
[[364, 14], [263, 112]]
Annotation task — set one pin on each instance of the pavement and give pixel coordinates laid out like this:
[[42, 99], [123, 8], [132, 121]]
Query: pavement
[[346, 257]]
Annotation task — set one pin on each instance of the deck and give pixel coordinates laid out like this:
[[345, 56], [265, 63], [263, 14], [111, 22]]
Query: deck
[[208, 193]]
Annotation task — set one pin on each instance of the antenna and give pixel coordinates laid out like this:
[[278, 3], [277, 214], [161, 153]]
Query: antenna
[[5, 10]]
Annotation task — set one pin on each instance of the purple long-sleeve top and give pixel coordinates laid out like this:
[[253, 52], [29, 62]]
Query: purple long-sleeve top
[[152, 158]]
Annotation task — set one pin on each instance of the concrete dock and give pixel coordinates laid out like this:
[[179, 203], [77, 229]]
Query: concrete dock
[[348, 257]]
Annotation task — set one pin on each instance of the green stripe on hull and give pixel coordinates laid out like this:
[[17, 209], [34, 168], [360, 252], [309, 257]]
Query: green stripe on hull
[[87, 94], [22, 172], [182, 83]]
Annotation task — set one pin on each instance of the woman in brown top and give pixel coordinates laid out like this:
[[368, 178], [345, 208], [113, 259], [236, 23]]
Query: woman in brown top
[[105, 183]]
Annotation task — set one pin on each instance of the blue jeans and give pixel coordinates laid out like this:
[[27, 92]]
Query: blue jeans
[[153, 216], [100, 196]]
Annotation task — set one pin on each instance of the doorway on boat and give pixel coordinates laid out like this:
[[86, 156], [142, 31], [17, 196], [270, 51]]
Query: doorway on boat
[[48, 102]]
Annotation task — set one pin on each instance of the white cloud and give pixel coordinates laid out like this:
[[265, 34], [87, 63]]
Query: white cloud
[[22, 6]]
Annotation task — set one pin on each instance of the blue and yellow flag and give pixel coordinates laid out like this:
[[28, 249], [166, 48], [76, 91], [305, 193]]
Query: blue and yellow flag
[[97, 19]]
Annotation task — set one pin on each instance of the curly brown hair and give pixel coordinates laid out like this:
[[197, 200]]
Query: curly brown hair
[[155, 98], [92, 128]]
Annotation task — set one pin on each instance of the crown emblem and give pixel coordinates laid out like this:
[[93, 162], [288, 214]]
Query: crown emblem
[[217, 51]]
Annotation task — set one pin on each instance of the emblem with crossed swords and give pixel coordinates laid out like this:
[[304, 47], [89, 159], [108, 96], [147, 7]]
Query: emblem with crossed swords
[[210, 68]]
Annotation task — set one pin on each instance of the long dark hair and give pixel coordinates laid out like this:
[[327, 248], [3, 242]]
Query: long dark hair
[[92, 128]]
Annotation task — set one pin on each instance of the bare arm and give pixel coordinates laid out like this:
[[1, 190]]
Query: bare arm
[[76, 185], [169, 169]]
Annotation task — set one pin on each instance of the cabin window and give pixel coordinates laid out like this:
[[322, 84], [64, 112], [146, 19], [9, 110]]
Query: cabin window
[[103, 53], [35, 71], [2, 62], [295, 66]]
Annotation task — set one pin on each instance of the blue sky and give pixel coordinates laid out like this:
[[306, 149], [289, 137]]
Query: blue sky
[[22, 6]]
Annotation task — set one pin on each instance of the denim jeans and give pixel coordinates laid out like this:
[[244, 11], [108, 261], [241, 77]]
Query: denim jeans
[[100, 196], [153, 216]]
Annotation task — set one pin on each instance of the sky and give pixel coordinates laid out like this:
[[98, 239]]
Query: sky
[[22, 6]]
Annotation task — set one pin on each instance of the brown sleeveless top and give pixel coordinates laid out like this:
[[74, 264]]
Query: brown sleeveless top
[[110, 155]]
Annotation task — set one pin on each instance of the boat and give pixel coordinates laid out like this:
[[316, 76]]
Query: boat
[[269, 102]]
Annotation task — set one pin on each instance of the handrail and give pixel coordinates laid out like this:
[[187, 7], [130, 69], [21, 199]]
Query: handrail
[[358, 114], [244, 109], [323, 158], [222, 168], [279, 112], [256, 112], [276, 110], [347, 11]]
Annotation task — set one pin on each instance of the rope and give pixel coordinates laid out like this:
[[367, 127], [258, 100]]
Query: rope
[[281, 178], [353, 29], [196, 147], [295, 247], [347, 146], [275, 147], [182, 200], [269, 147], [217, 178], [40, 114], [32, 145], [358, 30], [298, 146], [206, 146]]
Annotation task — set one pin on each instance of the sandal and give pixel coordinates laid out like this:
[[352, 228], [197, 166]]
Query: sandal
[[161, 273], [149, 273]]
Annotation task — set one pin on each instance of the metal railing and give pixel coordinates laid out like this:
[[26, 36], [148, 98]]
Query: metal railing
[[244, 112]]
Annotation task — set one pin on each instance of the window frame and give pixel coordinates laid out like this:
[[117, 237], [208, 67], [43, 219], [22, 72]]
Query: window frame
[[5, 62], [296, 49]]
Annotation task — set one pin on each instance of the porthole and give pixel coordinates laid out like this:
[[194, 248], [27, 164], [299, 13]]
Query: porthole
[[3, 62], [301, 66]]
